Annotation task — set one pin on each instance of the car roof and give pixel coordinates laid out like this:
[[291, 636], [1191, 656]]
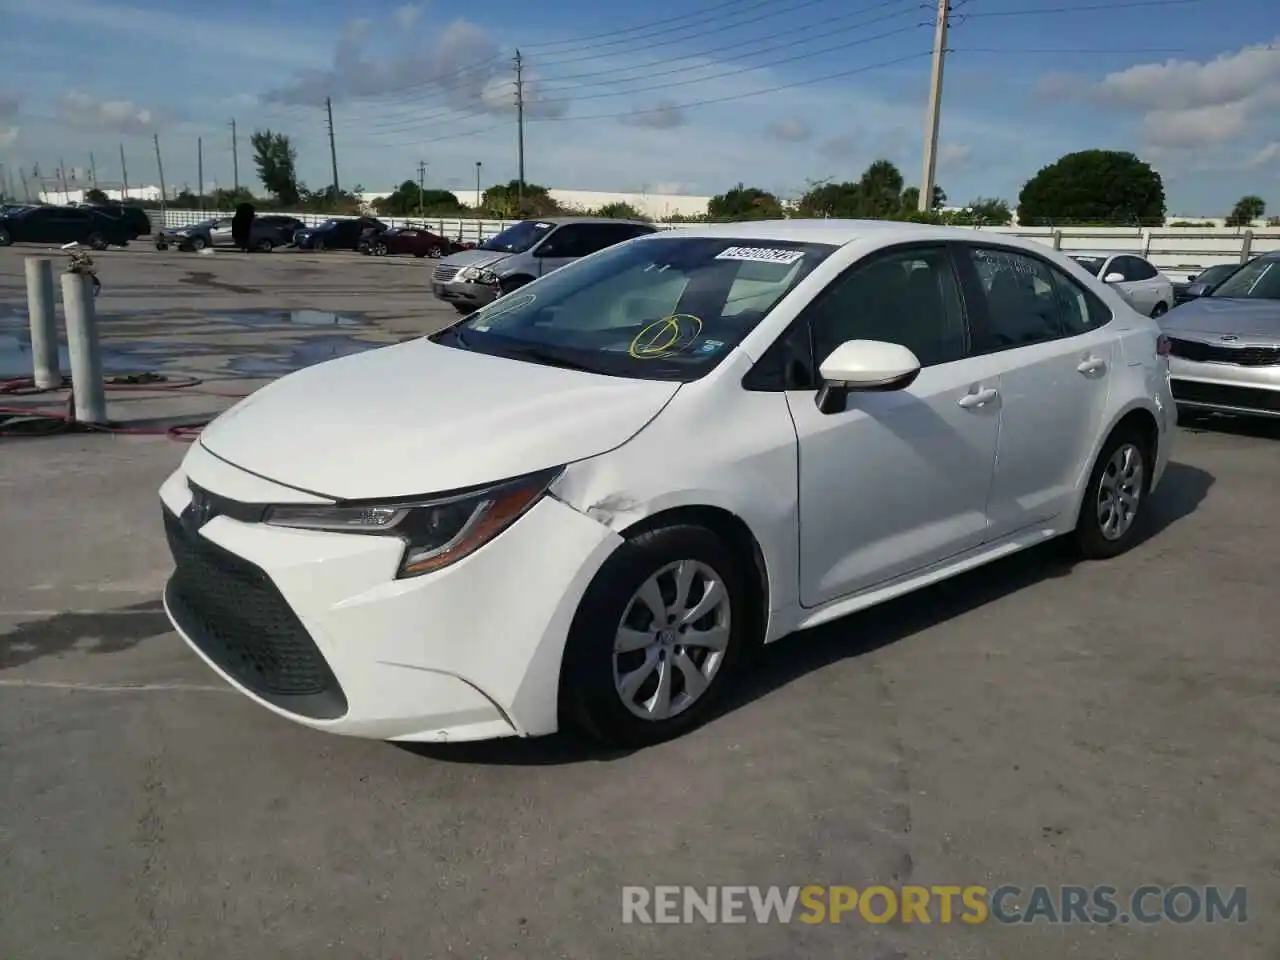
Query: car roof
[[561, 221], [842, 232]]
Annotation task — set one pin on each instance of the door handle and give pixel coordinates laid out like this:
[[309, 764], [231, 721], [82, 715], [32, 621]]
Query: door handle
[[1092, 365], [978, 398]]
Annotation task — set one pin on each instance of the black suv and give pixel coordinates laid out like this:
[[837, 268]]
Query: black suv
[[65, 225], [135, 218]]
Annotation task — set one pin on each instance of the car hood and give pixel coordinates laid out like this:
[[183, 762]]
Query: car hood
[[1225, 316], [474, 258], [418, 418]]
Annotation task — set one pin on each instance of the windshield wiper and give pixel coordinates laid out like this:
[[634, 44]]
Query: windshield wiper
[[545, 357]]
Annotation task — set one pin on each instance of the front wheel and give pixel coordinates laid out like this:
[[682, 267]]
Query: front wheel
[[97, 241], [318, 245], [197, 243], [1115, 497], [379, 249], [656, 637], [5, 239], [435, 253], [1159, 310]]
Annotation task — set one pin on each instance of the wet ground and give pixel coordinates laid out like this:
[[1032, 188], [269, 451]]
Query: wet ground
[[1031, 723]]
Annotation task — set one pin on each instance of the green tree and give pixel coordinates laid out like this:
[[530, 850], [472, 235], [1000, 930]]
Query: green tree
[[744, 203], [842, 200], [503, 200], [277, 160], [881, 189], [620, 211], [225, 199], [1093, 186], [95, 195], [981, 213], [911, 198], [407, 201], [1246, 210]]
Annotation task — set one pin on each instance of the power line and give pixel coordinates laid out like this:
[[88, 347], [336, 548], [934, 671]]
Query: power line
[[1079, 8]]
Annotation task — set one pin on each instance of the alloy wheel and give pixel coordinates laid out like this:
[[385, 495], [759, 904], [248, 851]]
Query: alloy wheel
[[672, 640], [1120, 491]]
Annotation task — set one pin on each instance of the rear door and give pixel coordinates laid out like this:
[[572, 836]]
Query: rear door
[[1049, 337]]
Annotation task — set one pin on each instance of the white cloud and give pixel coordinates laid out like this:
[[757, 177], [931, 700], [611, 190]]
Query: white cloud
[[954, 154], [1195, 126], [8, 136], [407, 16], [789, 130], [1268, 155], [665, 115], [118, 116]]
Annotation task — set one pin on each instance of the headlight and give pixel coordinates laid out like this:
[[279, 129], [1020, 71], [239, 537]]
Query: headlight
[[478, 275], [436, 531]]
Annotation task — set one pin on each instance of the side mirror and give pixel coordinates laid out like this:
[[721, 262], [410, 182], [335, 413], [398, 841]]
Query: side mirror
[[1113, 278], [1191, 277], [864, 365], [1196, 290]]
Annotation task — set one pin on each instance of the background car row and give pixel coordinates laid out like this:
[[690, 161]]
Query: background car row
[[98, 226]]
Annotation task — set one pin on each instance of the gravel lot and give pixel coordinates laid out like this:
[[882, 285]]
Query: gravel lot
[[1031, 723]]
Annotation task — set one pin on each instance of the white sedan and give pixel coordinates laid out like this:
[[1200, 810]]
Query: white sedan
[[590, 501], [1136, 279]]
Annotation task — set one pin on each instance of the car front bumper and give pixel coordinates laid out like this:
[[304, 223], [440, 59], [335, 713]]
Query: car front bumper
[[465, 294], [315, 627], [1226, 387]]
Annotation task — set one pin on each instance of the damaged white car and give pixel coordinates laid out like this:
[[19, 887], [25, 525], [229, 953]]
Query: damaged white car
[[590, 501]]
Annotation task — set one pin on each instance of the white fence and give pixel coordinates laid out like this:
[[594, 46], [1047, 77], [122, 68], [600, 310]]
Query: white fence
[[1177, 251]]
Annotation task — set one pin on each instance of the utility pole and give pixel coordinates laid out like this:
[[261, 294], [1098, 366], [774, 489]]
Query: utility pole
[[422, 177], [477, 184], [93, 172], [934, 114], [235, 158], [520, 126], [164, 200], [124, 176], [62, 176], [26, 187], [200, 171], [333, 150]]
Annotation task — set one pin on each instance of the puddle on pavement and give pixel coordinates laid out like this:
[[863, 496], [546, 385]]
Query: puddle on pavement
[[161, 354], [292, 318], [15, 359]]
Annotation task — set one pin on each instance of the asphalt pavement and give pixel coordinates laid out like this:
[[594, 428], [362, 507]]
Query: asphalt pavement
[[1031, 723]]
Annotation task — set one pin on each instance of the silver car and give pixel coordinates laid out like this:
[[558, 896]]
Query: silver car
[[522, 253], [1148, 290], [1224, 348]]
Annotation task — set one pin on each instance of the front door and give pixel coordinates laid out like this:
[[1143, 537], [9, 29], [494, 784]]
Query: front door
[[563, 245], [898, 480], [1055, 353], [220, 233]]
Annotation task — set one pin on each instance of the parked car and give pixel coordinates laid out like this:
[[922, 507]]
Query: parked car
[[269, 230], [1134, 277], [598, 517], [339, 233], [414, 240], [522, 253], [1225, 346], [135, 218], [64, 225], [1199, 284]]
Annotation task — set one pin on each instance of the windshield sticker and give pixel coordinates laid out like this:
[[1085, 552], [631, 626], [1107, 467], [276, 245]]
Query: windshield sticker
[[710, 346], [761, 255], [543, 226], [666, 337], [501, 308]]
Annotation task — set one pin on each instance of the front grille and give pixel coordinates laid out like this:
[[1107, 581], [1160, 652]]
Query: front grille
[[1218, 395], [1200, 352], [237, 617], [444, 273]]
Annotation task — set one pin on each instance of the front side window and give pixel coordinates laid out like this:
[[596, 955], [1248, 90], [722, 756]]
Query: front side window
[[910, 297], [1136, 268], [519, 237], [661, 308], [1256, 280]]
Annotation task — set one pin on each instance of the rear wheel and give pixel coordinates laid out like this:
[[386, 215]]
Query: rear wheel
[[379, 249], [318, 245], [264, 245], [1115, 496], [161, 245], [435, 253], [656, 637], [5, 239]]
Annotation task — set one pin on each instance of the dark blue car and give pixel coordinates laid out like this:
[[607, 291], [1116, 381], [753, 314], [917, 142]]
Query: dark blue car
[[339, 233]]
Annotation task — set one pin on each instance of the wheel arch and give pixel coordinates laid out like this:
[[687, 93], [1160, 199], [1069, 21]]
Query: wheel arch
[[1136, 416]]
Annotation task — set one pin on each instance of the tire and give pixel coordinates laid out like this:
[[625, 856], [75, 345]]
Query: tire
[[1159, 310], [161, 246], [435, 253], [197, 243], [318, 246], [419, 254], [379, 249], [593, 675], [97, 241], [264, 245], [1094, 539], [5, 239]]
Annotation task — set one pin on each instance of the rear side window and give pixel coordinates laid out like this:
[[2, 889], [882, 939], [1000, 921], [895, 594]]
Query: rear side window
[[1029, 301], [1135, 268]]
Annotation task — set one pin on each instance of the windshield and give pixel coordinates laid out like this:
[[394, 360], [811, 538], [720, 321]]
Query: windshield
[[1092, 264], [664, 308], [1256, 280], [1215, 274], [329, 223], [518, 238]]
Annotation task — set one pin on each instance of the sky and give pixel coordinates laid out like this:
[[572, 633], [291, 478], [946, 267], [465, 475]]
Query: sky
[[687, 97]]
